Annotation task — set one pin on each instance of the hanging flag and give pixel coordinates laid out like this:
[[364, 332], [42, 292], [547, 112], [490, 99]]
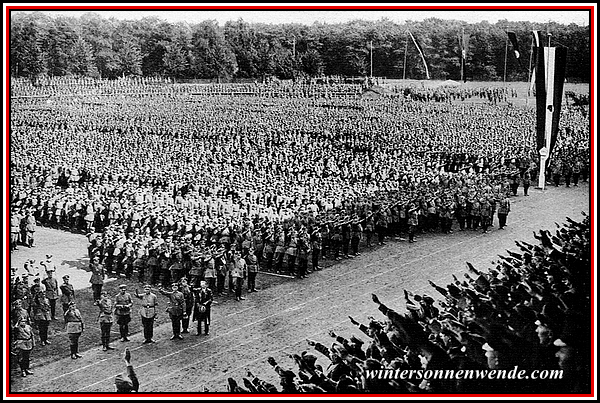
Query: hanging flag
[[550, 69], [515, 44], [537, 43], [421, 53]]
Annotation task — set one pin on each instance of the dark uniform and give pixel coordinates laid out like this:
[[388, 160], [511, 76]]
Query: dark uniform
[[67, 294], [105, 319], [176, 309], [203, 297], [123, 304]]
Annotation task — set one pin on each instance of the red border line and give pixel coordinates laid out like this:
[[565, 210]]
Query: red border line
[[8, 10]]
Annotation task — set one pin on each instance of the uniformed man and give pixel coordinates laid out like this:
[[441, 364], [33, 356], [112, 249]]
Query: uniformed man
[[40, 311], [148, 312], [252, 266], [97, 278], [203, 298], [503, 210], [176, 309], [189, 303], [15, 229], [316, 239], [123, 304], [67, 293], [30, 227], [238, 273], [105, 319], [51, 285], [413, 221]]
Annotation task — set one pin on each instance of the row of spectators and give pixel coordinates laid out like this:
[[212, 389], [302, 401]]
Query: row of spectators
[[531, 311]]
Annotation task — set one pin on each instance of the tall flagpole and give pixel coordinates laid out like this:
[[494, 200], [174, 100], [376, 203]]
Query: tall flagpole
[[371, 59], [505, 54], [461, 42], [529, 77], [405, 51]]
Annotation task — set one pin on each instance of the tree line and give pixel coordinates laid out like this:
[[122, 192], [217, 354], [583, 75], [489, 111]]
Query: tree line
[[94, 46]]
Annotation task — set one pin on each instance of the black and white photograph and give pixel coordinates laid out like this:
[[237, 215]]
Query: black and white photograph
[[299, 200]]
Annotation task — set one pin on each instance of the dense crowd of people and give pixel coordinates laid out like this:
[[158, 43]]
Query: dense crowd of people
[[531, 311], [212, 183]]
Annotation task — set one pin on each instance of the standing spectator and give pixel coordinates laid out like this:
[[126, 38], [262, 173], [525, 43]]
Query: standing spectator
[[503, 210], [67, 294], [203, 298], [74, 326], [97, 278], [105, 319], [176, 309], [51, 285], [123, 304], [148, 312], [23, 344]]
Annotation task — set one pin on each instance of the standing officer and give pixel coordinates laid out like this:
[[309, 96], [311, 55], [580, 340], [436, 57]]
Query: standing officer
[[316, 239], [123, 304], [189, 303], [238, 272], [40, 310], [105, 318], [252, 265], [413, 221], [97, 278], [148, 312], [15, 229], [67, 293], [51, 285], [203, 297], [30, 227], [503, 210], [176, 309]]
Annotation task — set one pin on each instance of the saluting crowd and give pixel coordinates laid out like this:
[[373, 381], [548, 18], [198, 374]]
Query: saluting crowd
[[531, 312], [198, 187]]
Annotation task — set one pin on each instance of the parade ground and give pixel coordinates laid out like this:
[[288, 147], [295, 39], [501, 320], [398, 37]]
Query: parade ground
[[277, 320]]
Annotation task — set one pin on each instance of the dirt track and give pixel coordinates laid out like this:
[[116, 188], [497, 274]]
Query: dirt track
[[276, 321]]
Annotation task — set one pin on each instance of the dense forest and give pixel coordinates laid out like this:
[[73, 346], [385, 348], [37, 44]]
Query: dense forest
[[98, 47]]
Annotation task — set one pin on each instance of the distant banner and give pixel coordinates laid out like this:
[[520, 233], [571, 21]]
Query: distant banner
[[420, 49]]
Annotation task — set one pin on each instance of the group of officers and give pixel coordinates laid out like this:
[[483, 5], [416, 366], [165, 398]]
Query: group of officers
[[185, 304]]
